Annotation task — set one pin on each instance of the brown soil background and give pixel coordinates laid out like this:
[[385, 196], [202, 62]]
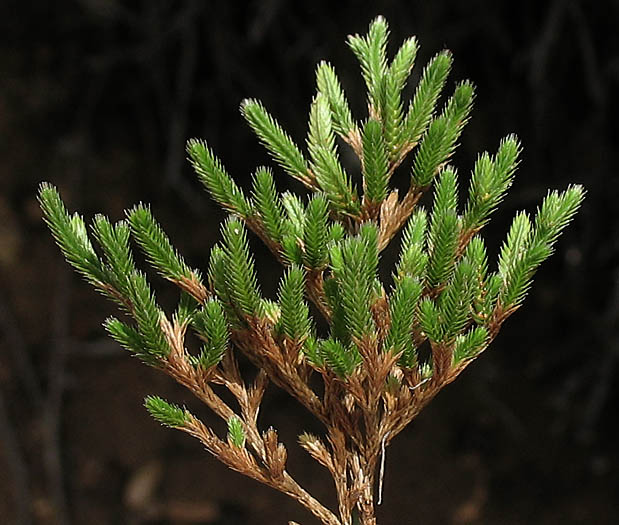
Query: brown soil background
[[98, 97]]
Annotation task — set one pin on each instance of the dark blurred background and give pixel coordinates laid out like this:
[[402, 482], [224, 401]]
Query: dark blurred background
[[99, 97]]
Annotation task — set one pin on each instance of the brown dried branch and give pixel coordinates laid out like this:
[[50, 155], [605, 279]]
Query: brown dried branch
[[394, 214], [193, 287], [271, 454], [259, 345]]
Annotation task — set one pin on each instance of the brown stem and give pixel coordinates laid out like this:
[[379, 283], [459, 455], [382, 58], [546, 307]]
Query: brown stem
[[394, 214]]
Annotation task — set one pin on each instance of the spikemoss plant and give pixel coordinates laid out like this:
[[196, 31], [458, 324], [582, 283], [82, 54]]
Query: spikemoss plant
[[363, 378]]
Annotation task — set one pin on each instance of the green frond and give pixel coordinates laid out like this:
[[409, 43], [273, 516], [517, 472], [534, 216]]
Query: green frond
[[339, 325], [276, 140], [130, 339], [239, 272], [371, 52], [445, 194], [490, 180], [329, 86], [415, 230], [147, 316], [316, 232], [236, 433], [460, 104], [444, 229], [437, 146], [70, 235], [294, 318], [311, 351], [402, 306], [375, 162], [515, 247], [271, 310], [454, 302], [469, 345], [292, 249], [340, 359], [295, 214], [330, 176], [426, 96], [114, 241], [156, 245], [403, 62], [514, 265], [490, 294], [336, 233], [335, 182], [294, 226], [355, 272], [507, 158], [268, 204], [555, 213], [413, 259], [429, 319], [186, 309], [392, 110], [527, 246], [368, 235], [211, 326], [166, 413], [216, 180], [320, 132], [475, 255], [442, 248], [413, 262], [217, 274]]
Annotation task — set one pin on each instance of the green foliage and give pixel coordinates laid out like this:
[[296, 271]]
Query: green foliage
[[469, 345], [371, 53], [114, 241], [528, 245], [240, 276], [211, 326], [330, 176], [329, 243], [215, 178], [70, 234], [315, 233], [329, 86], [375, 162], [130, 339], [437, 146], [395, 80], [426, 96], [292, 241], [355, 262], [429, 319], [147, 316], [490, 180], [236, 433], [312, 352], [455, 301], [340, 359], [267, 202], [166, 413], [217, 275], [402, 306], [155, 244], [444, 230], [294, 318], [275, 139], [413, 257]]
